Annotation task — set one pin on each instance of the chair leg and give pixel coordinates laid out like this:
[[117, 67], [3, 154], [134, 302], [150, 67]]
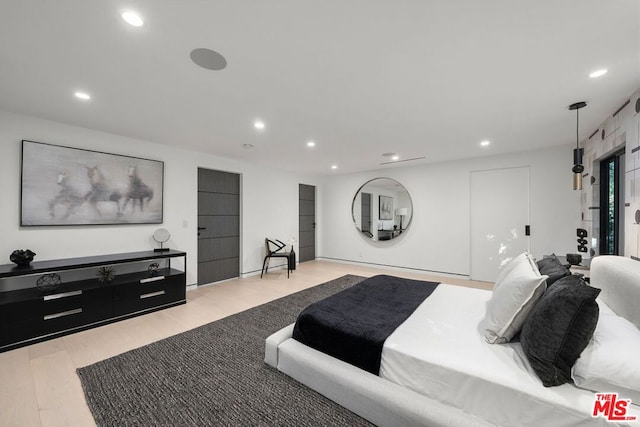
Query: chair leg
[[264, 263]]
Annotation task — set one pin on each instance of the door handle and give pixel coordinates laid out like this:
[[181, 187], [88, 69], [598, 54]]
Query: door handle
[[201, 228]]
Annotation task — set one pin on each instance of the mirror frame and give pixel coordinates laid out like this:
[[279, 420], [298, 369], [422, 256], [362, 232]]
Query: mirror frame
[[393, 234]]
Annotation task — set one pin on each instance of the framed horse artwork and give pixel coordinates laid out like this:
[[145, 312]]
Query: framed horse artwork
[[72, 186]]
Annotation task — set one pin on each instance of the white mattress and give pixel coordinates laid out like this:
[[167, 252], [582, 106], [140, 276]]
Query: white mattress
[[431, 351]]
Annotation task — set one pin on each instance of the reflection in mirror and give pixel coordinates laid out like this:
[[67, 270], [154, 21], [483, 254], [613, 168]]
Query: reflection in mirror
[[382, 209]]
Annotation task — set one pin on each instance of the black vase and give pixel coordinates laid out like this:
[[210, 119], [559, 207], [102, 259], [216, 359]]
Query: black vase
[[22, 257]]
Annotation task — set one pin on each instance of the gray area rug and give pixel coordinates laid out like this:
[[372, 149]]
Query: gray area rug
[[214, 375]]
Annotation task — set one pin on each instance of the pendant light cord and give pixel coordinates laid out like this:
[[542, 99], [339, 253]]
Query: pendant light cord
[[577, 128]]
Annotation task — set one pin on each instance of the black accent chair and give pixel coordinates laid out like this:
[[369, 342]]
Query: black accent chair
[[274, 251]]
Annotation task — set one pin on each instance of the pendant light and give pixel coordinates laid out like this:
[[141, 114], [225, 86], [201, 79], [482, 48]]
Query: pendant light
[[578, 168]]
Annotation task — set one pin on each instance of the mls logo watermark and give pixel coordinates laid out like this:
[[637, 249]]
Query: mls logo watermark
[[610, 407]]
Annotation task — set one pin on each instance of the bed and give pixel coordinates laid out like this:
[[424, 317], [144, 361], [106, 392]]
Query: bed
[[438, 369]]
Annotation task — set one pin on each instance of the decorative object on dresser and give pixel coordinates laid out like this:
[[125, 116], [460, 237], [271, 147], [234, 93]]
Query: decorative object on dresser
[[59, 297], [48, 282], [161, 235], [71, 186], [105, 274], [22, 257], [153, 268]]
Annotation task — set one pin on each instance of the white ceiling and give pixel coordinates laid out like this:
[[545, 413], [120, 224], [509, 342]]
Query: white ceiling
[[359, 77]]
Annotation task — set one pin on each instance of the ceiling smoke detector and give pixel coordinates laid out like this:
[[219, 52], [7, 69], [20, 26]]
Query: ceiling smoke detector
[[208, 59]]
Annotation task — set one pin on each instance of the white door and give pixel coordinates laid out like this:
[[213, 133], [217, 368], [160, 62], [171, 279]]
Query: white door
[[499, 217]]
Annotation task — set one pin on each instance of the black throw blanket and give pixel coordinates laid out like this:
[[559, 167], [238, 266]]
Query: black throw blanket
[[353, 325]]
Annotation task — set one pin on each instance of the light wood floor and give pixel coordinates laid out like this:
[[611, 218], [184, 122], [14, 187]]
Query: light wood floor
[[39, 385]]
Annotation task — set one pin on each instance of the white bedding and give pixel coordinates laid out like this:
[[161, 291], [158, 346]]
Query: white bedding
[[439, 352]]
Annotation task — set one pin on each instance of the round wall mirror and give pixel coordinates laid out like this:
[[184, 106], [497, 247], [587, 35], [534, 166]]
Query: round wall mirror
[[382, 209]]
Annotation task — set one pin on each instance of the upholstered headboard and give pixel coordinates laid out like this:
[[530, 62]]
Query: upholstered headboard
[[619, 279]]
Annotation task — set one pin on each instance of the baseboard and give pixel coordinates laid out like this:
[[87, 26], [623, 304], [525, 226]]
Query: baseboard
[[245, 274], [396, 267]]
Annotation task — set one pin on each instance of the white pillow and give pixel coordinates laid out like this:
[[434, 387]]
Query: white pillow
[[609, 363], [512, 300], [510, 266]]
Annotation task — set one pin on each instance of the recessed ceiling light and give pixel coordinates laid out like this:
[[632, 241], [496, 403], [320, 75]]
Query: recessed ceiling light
[[132, 18], [485, 143], [82, 95], [334, 166], [258, 124], [395, 157], [311, 144], [598, 73]]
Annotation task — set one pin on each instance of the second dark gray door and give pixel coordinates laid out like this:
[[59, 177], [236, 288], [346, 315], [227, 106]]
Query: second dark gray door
[[218, 225], [307, 222]]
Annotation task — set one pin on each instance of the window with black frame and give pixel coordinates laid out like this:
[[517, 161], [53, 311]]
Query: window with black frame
[[611, 203]]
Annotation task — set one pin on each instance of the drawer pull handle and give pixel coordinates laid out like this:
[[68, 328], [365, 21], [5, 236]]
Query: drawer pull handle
[[151, 279], [62, 314], [152, 294], [62, 295]]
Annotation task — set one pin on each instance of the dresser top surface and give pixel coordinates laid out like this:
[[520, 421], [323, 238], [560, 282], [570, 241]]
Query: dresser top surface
[[12, 270]]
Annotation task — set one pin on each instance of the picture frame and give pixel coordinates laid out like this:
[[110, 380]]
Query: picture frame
[[74, 186], [385, 207]]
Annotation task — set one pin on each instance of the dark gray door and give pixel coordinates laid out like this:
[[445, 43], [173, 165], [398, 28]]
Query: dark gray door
[[365, 214], [307, 222], [218, 225]]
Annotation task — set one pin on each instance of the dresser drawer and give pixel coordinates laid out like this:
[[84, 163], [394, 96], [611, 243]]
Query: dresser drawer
[[54, 303], [76, 316], [51, 313], [54, 321], [21, 310], [20, 330], [134, 297]]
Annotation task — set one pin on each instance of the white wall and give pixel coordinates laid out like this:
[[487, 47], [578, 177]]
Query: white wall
[[438, 238], [269, 198]]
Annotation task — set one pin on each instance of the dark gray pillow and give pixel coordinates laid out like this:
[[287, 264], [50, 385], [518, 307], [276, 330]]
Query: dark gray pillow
[[547, 259], [558, 328], [552, 267]]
